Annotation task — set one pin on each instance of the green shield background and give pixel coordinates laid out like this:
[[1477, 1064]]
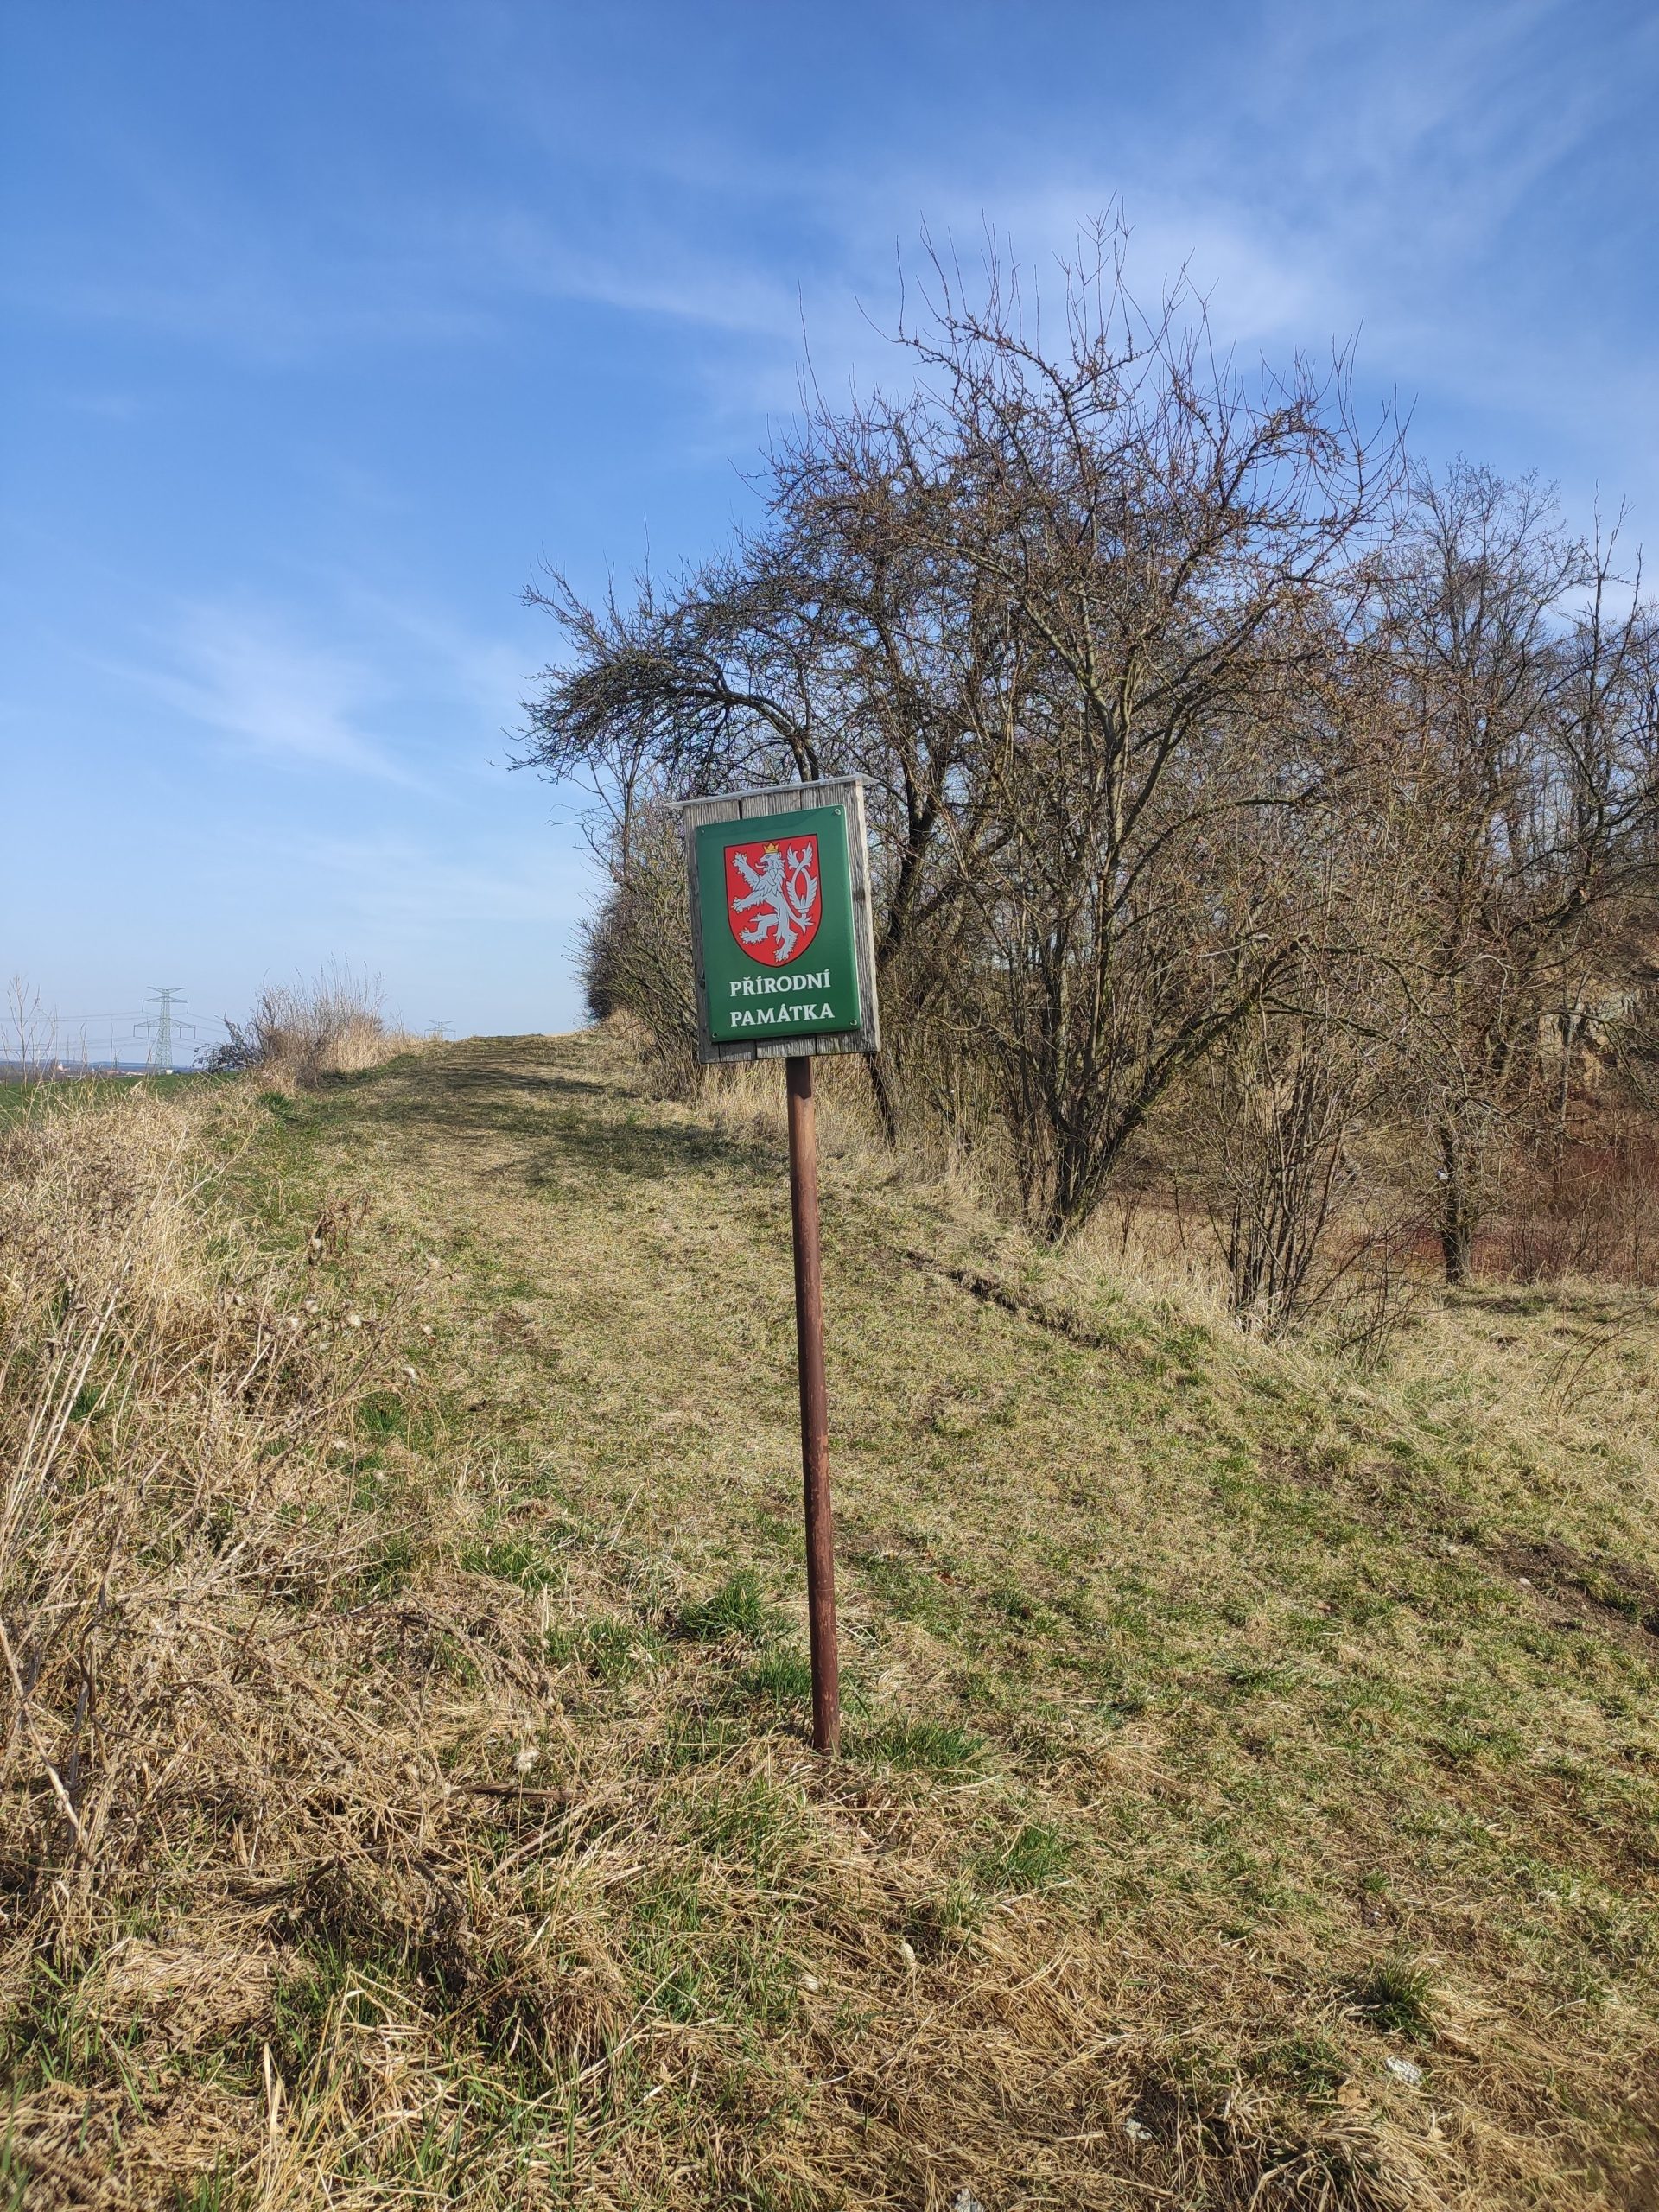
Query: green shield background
[[813, 994]]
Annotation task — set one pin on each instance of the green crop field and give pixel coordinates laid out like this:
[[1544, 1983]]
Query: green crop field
[[19, 1097], [1250, 1792]]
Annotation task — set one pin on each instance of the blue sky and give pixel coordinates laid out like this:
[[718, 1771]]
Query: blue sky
[[328, 321]]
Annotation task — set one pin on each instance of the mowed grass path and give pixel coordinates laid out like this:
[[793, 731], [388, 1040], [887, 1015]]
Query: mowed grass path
[[1218, 1681]]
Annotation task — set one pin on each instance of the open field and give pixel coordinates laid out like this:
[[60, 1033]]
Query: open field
[[1251, 1788], [19, 1093]]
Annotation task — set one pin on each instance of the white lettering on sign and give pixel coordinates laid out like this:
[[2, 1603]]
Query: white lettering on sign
[[777, 1017], [749, 987]]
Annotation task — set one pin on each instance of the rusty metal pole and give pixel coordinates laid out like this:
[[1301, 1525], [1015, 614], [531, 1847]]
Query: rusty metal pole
[[815, 1408]]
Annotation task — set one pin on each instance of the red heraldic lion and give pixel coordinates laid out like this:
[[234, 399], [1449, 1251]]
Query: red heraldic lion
[[772, 898]]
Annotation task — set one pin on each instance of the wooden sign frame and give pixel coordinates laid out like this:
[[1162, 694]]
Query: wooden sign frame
[[844, 791]]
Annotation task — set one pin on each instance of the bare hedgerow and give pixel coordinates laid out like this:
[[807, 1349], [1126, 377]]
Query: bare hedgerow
[[636, 953], [1105, 628]]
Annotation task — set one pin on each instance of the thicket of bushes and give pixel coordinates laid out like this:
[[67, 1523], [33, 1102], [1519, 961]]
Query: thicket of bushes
[[1251, 805]]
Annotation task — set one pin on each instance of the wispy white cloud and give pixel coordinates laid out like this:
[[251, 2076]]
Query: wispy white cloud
[[1372, 168], [1349, 158], [1359, 169], [404, 884], [485, 676], [1434, 182], [642, 268], [244, 674], [410, 695]]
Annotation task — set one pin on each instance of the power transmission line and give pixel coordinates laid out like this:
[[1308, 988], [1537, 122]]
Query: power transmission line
[[70, 1036], [161, 1024]]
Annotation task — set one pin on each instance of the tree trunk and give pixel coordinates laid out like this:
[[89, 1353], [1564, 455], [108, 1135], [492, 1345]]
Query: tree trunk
[[882, 1092], [1457, 1215]]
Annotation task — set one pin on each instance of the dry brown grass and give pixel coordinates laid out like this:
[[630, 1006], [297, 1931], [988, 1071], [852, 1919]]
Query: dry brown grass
[[173, 1407], [407, 1800]]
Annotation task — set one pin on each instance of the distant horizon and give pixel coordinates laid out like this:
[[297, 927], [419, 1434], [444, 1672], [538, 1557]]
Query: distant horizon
[[59, 1063], [329, 333]]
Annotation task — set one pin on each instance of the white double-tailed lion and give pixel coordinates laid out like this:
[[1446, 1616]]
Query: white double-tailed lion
[[782, 894]]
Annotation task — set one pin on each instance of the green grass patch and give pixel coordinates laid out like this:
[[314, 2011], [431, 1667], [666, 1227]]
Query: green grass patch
[[735, 1609], [783, 1677], [1395, 1997], [513, 1558], [925, 1746], [1031, 1859]]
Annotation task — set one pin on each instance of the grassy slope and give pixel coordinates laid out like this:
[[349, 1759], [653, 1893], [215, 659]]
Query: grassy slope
[[1220, 1728]]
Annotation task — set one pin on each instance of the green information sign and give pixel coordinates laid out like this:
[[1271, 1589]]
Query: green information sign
[[784, 956], [775, 907]]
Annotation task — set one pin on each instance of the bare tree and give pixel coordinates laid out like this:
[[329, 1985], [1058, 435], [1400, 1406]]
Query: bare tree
[[1050, 606], [1148, 540], [1526, 741]]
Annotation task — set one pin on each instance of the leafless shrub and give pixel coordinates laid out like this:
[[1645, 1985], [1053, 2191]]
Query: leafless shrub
[[1290, 1102], [1284, 1097], [28, 1042], [304, 1032]]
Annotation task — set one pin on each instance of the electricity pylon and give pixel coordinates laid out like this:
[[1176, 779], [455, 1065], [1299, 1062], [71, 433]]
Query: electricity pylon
[[161, 1024]]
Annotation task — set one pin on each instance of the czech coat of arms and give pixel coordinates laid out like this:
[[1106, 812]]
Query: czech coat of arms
[[772, 898]]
